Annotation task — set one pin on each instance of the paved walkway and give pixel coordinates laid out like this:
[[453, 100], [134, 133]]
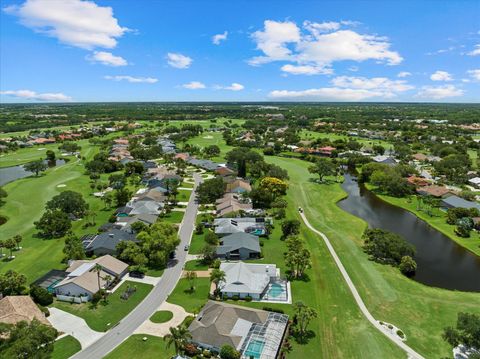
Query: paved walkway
[[193, 257], [72, 325], [162, 329], [411, 353]]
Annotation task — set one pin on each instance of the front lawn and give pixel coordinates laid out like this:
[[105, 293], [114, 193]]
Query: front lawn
[[173, 217], [195, 265], [190, 301], [152, 348], [105, 316], [64, 348], [183, 195], [161, 316]]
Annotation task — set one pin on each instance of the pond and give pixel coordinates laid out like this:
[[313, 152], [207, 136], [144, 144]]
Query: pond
[[9, 174], [441, 262]]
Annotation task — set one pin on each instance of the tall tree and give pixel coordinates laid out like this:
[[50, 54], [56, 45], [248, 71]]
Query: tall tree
[[36, 167], [303, 317], [12, 283], [467, 332], [191, 277], [323, 167], [178, 337], [217, 276]]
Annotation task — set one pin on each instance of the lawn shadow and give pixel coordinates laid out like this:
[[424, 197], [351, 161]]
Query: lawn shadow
[[305, 338]]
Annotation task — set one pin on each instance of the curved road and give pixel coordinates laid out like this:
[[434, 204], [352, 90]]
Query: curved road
[[411, 353], [157, 296]]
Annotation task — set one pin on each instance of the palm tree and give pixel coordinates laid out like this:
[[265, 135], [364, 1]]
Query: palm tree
[[216, 277], [18, 239], [10, 244], [98, 268], [178, 337], [2, 245], [107, 279], [191, 277]]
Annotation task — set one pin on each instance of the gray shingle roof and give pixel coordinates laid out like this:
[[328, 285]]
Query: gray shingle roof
[[239, 240], [457, 202]]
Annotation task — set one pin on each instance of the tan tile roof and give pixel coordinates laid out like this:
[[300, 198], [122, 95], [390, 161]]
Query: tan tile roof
[[14, 309]]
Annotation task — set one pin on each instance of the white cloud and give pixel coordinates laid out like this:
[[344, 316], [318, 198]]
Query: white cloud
[[319, 45], [233, 87], [439, 92], [441, 76], [78, 23], [404, 74], [32, 95], [382, 84], [475, 51], [345, 88], [107, 58], [474, 74], [216, 39], [179, 61], [324, 94], [306, 70], [194, 85], [132, 79]]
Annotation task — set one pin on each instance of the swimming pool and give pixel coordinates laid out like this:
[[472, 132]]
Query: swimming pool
[[254, 349], [276, 290]]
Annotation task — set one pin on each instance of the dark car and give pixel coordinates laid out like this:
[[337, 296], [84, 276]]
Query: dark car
[[137, 274], [186, 247]]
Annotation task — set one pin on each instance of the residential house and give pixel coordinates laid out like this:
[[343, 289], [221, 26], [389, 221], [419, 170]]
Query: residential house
[[106, 242], [239, 246], [247, 280], [387, 160], [418, 181], [458, 202], [475, 182], [205, 164], [232, 202], [224, 171], [125, 223], [435, 191], [252, 225], [82, 278], [238, 185], [14, 309], [242, 328]]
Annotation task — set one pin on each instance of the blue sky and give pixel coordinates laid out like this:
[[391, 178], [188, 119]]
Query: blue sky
[[125, 50]]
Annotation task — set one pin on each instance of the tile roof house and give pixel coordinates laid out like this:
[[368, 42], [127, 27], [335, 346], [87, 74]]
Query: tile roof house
[[239, 246], [224, 171], [435, 191], [245, 279], [106, 242], [238, 185], [14, 309], [231, 202], [242, 328], [253, 225], [458, 202], [82, 279]]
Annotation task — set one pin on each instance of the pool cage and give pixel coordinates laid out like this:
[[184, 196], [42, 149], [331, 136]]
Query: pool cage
[[263, 341]]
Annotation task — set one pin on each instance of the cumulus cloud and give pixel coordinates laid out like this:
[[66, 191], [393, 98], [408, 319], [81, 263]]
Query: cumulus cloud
[[474, 74], [132, 79], [233, 87], [404, 74], [347, 88], [77, 23], [34, 96], [475, 51], [318, 46], [178, 61], [441, 76], [107, 58], [439, 92], [216, 39], [194, 85], [306, 70]]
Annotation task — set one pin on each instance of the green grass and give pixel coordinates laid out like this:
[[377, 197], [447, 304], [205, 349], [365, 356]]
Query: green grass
[[105, 316], [162, 316], [195, 265], [64, 348], [421, 312], [152, 348], [183, 195], [474, 157], [190, 301], [173, 217], [216, 139], [186, 185], [154, 272], [437, 221], [311, 135], [28, 154]]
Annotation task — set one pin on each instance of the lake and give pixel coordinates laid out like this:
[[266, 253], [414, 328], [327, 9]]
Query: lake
[[13, 173], [441, 262]]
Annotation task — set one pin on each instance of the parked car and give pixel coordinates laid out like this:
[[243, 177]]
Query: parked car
[[137, 274], [300, 209], [186, 247]]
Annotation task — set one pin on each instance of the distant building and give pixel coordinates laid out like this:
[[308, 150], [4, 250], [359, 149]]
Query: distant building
[[458, 202]]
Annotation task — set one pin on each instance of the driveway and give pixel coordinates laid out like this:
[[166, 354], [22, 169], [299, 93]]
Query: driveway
[[74, 326], [162, 329]]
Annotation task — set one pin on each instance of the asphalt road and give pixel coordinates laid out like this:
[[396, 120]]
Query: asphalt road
[[410, 352], [157, 296]]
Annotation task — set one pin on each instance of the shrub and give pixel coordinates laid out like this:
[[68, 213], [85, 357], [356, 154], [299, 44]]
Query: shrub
[[270, 309], [386, 247], [207, 354], [97, 296], [228, 352], [235, 297], [408, 266], [41, 296], [191, 350], [400, 334], [248, 298], [44, 310]]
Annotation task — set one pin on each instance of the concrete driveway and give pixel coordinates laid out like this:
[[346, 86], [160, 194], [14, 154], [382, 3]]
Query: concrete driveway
[[73, 325]]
